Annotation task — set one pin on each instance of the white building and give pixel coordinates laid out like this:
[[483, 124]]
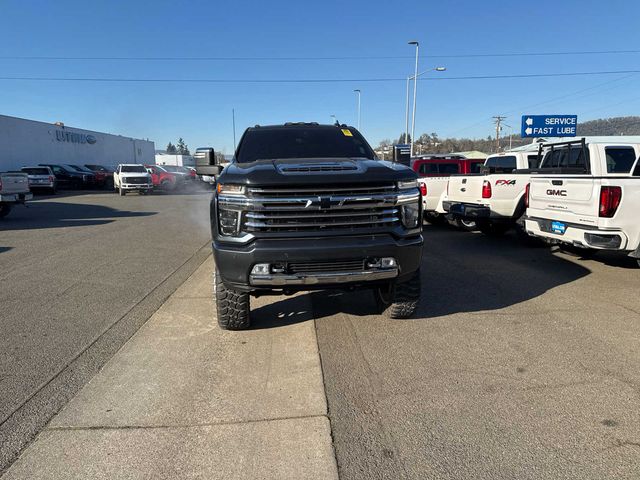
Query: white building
[[163, 158], [27, 142]]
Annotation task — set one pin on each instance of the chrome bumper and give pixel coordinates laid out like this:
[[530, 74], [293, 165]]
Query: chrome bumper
[[322, 278], [16, 197]]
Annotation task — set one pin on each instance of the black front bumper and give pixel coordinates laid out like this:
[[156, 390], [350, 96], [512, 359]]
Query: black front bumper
[[235, 262], [466, 210]]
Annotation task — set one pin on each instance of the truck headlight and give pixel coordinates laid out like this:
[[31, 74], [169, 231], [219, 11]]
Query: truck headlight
[[411, 215], [231, 189], [405, 184], [229, 221]]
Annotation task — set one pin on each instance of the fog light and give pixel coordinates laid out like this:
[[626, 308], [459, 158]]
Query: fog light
[[260, 269], [388, 262]]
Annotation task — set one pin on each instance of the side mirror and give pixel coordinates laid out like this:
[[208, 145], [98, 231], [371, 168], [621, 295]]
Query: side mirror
[[206, 162]]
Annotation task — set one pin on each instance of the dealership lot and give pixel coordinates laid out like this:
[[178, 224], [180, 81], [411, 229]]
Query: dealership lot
[[521, 362], [79, 273]]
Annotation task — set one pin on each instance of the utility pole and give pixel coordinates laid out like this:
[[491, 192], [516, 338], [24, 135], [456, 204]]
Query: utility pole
[[498, 120], [233, 116]]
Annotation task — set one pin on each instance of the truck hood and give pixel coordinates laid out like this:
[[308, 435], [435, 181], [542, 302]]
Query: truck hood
[[315, 171]]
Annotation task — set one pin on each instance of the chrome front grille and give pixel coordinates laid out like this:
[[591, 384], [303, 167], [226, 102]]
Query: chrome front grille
[[317, 209]]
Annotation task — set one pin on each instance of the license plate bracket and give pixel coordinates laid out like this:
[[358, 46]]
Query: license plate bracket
[[558, 228]]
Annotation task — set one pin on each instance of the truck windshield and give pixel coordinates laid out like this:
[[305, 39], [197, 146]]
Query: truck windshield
[[303, 142], [133, 169]]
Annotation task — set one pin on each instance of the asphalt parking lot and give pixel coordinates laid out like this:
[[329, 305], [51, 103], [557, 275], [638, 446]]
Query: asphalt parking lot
[[79, 273], [522, 362]]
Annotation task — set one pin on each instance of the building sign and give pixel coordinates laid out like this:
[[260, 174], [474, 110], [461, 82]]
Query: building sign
[[549, 125], [72, 137]]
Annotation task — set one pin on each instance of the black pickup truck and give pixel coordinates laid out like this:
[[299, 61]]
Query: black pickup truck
[[303, 207]]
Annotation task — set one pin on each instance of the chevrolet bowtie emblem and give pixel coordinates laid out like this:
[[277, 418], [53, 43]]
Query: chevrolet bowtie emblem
[[325, 203]]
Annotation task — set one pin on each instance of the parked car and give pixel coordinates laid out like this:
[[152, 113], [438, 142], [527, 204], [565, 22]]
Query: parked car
[[40, 178], [494, 198], [14, 190], [104, 175], [434, 172], [186, 174], [67, 177], [163, 179], [309, 207], [92, 178], [587, 195], [132, 177]]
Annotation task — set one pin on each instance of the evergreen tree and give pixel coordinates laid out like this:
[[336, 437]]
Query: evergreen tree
[[171, 148], [182, 147]]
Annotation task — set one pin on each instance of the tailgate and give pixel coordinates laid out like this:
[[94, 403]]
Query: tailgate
[[569, 199], [465, 188], [14, 183], [435, 187]]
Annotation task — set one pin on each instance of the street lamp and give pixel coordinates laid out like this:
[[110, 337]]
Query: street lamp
[[406, 120], [357, 90], [415, 93]]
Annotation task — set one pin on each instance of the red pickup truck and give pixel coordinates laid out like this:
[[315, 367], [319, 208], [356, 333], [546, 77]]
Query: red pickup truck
[[163, 179]]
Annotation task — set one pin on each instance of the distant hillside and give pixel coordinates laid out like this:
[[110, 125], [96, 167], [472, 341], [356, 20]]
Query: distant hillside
[[431, 143], [611, 126]]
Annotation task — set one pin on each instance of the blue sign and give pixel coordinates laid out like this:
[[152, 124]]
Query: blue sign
[[549, 125]]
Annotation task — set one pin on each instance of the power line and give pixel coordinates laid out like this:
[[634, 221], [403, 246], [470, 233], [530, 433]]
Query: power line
[[306, 80], [319, 58]]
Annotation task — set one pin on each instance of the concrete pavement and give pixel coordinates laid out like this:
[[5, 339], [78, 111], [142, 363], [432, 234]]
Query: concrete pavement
[[185, 399]]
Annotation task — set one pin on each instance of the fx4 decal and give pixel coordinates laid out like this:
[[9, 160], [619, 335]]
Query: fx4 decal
[[508, 183]]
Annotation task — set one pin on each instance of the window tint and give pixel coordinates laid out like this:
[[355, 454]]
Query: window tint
[[620, 159], [476, 166], [428, 169], [533, 161], [636, 171], [502, 164], [448, 168], [133, 169], [302, 142], [565, 158]]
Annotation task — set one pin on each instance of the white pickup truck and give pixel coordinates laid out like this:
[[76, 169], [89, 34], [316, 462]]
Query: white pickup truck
[[495, 198], [14, 189], [132, 177], [595, 203]]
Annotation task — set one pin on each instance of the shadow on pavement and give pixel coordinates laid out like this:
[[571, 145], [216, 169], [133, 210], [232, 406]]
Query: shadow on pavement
[[287, 311], [468, 272], [5, 249], [56, 214]]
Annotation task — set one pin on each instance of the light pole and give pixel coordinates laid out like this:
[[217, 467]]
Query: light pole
[[335, 120], [406, 119], [415, 93], [357, 90]]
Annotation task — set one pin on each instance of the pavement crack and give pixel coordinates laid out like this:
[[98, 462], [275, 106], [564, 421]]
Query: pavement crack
[[179, 425]]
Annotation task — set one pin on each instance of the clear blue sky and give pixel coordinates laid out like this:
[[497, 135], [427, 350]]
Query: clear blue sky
[[201, 112]]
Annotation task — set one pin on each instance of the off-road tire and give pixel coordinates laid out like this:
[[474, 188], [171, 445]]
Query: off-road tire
[[5, 208], [399, 300], [232, 307], [122, 191]]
